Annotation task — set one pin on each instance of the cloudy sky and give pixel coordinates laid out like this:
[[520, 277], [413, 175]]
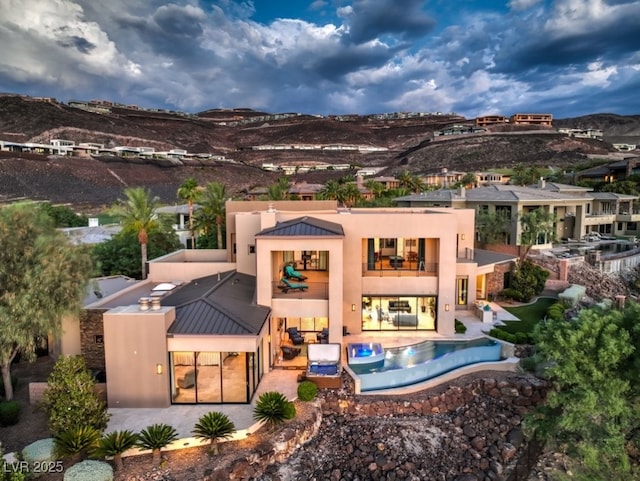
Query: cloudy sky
[[472, 57]]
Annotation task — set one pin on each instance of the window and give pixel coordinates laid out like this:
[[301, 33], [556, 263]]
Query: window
[[398, 313], [252, 249], [461, 290]]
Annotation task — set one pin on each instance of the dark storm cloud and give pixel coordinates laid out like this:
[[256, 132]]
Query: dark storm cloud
[[370, 19], [565, 41], [349, 59], [81, 44]]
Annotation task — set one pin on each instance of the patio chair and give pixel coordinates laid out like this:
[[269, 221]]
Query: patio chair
[[288, 285], [289, 352], [295, 336], [323, 337], [291, 273]]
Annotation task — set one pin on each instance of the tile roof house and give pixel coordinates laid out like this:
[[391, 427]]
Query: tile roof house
[[206, 325], [578, 210]]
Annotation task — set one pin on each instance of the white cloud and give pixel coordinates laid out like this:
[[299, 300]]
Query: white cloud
[[596, 76], [519, 5]]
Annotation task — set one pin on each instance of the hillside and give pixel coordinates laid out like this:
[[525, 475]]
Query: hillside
[[405, 144]]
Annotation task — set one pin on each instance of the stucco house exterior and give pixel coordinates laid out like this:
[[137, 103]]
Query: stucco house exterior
[[206, 325]]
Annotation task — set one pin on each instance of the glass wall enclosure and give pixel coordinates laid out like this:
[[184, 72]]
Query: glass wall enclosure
[[301, 274], [308, 260], [395, 313], [401, 254], [214, 377], [308, 327]]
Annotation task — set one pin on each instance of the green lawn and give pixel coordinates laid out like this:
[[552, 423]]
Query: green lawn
[[529, 315]]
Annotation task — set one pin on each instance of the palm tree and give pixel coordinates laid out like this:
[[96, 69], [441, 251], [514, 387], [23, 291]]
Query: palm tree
[[137, 213], [214, 426], [279, 190], [212, 210], [349, 194], [330, 190], [406, 180], [114, 444], [156, 437], [189, 192], [375, 187]]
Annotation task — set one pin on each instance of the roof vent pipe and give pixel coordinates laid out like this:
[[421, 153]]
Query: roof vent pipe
[[155, 304]]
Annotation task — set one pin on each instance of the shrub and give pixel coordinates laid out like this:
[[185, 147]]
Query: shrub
[[156, 437], [289, 410], [503, 335], [70, 399], [76, 443], [460, 328], [14, 384], [272, 408], [89, 470], [556, 312], [214, 426], [307, 391], [114, 444], [509, 293], [9, 413], [39, 451]]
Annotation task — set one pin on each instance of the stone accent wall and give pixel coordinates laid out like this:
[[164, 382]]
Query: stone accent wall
[[495, 280], [91, 330]]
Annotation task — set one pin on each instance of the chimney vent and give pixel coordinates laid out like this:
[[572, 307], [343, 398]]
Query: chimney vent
[[144, 303], [155, 304]]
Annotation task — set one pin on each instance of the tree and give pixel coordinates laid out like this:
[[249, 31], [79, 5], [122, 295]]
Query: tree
[[70, 398], [63, 216], [527, 280], [42, 277], [593, 363], [212, 211], [212, 427], [137, 213], [628, 187], [375, 187], [492, 227], [114, 444], [349, 194], [537, 227], [329, 191], [279, 190], [468, 180], [189, 192], [120, 255], [524, 176]]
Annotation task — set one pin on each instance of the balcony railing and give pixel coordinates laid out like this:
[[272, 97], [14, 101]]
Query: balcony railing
[[405, 269]]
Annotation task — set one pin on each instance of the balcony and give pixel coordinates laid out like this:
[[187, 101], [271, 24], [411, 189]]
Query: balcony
[[628, 217], [316, 282], [400, 268]]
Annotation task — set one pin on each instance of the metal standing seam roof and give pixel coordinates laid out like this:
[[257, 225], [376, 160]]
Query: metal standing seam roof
[[303, 227], [220, 304], [494, 193]]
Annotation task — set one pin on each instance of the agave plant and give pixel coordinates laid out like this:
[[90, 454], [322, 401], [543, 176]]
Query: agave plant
[[273, 408], [213, 427], [114, 444], [156, 437], [76, 443]]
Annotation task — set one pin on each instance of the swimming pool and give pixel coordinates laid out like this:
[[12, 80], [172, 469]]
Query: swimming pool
[[407, 365]]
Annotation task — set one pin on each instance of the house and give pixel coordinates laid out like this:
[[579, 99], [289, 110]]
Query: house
[[206, 325], [532, 119], [179, 215], [577, 210]]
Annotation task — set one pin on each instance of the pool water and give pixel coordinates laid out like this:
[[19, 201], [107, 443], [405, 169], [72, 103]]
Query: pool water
[[406, 365]]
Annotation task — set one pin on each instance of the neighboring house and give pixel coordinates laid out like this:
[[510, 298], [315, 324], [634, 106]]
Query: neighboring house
[[206, 325], [577, 210], [180, 220], [531, 119], [490, 120], [618, 170]]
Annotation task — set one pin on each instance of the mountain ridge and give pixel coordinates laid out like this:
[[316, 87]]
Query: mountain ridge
[[409, 144]]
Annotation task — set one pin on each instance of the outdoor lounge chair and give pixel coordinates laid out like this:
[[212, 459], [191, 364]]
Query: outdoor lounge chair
[[289, 352], [291, 273], [295, 336], [288, 285]]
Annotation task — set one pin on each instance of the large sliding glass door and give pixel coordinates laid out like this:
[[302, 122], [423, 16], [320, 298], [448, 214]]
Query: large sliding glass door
[[213, 377], [395, 313]]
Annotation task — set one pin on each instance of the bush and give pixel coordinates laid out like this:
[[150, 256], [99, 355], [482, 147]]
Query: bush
[[307, 391], [14, 384], [460, 328], [527, 281], [272, 408], [89, 471], [289, 410], [556, 312], [9, 413], [77, 442], [70, 399], [39, 451]]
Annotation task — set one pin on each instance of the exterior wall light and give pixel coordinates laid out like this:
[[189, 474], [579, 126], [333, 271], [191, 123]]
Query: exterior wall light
[[158, 368], [446, 307], [353, 308]]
